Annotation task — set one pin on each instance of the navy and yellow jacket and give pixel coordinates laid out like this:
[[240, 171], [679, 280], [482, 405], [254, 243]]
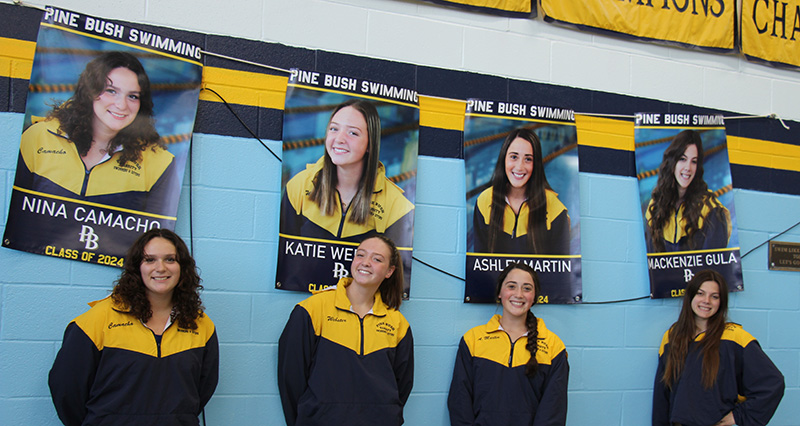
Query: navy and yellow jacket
[[748, 384], [390, 213], [49, 163], [335, 368], [112, 371], [714, 228], [490, 387], [514, 238]]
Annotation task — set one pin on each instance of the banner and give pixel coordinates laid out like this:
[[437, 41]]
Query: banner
[[107, 127], [687, 204], [349, 172], [517, 8], [523, 197], [703, 23], [771, 30]]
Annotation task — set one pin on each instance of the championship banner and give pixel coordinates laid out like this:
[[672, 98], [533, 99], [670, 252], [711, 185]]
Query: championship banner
[[523, 198], [107, 128], [687, 204], [514, 8], [703, 23], [349, 172], [771, 30]]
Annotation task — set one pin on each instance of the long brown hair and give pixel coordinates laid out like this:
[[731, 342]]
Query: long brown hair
[[130, 289], [665, 193], [682, 333], [324, 191], [391, 288], [76, 114], [534, 192], [530, 319]]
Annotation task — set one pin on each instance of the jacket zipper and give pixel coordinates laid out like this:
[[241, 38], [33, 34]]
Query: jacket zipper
[[675, 237], [511, 354], [516, 221], [344, 215], [85, 183], [361, 320]]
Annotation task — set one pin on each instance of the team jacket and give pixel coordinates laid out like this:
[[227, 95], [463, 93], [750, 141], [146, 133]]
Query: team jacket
[[515, 227], [391, 213], [49, 163], [490, 387], [713, 233], [748, 383], [111, 371], [335, 368]]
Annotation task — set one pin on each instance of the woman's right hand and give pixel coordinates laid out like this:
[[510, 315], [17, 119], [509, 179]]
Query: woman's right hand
[[727, 420]]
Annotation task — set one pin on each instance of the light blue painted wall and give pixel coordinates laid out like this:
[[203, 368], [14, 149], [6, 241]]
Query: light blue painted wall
[[612, 347]]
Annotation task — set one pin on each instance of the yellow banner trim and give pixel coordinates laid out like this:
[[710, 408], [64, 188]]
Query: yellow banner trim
[[760, 153], [442, 113], [604, 132], [16, 58], [244, 88]]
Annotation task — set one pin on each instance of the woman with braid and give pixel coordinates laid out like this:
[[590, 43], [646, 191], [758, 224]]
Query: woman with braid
[[683, 213], [513, 370]]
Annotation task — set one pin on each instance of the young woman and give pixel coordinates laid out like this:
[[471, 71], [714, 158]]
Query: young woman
[[683, 214], [345, 194], [712, 372], [147, 354], [520, 213], [346, 355], [513, 370], [101, 145]]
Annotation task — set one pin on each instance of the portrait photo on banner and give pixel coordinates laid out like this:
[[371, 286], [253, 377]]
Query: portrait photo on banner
[[687, 200], [523, 195], [348, 172], [105, 138]]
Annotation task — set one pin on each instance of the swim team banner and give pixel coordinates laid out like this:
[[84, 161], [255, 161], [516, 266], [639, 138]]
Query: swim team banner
[[523, 198], [344, 130], [107, 127], [703, 23], [771, 30], [687, 204], [521, 8]]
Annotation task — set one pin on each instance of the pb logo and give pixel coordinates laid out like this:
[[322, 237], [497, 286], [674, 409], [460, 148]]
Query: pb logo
[[339, 271], [687, 275], [89, 237]]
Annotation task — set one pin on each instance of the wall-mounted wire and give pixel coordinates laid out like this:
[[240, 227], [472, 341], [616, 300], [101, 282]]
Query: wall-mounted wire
[[252, 133]]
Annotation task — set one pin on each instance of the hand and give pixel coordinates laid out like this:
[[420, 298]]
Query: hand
[[727, 420]]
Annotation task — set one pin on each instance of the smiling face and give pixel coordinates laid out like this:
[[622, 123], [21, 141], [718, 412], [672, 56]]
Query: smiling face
[[705, 303], [347, 138], [117, 105], [372, 263], [517, 293], [686, 167], [519, 162], [160, 268]]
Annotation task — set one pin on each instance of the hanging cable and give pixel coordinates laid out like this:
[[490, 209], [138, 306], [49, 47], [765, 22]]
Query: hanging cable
[[437, 269], [771, 238], [772, 116], [245, 61], [242, 122]]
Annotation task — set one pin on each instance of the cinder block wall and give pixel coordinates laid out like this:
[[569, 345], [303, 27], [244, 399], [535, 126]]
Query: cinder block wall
[[236, 192]]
